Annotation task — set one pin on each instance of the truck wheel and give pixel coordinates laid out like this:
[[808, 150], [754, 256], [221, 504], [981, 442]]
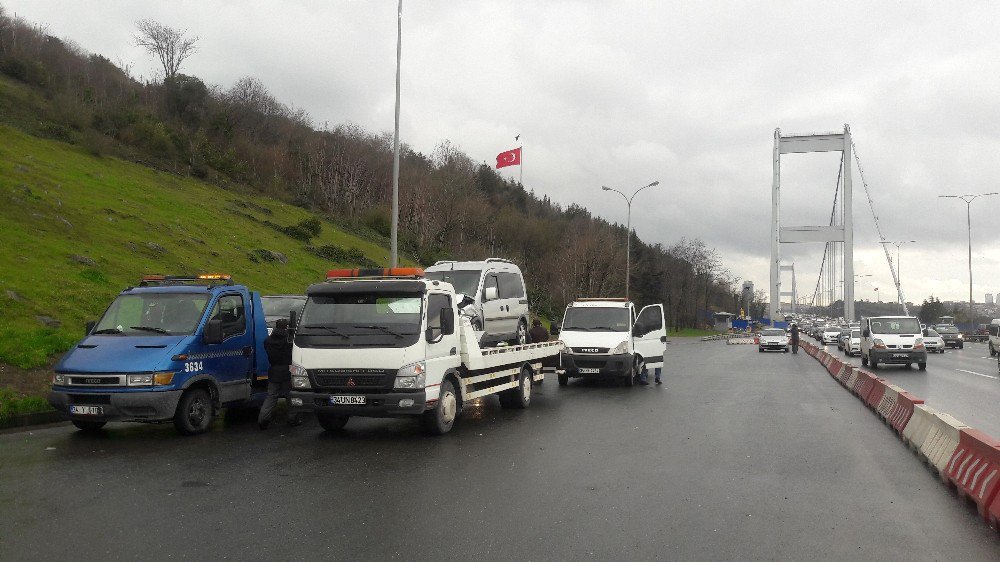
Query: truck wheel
[[563, 379], [89, 425], [441, 419], [331, 423], [633, 373], [922, 366], [194, 412], [519, 397]]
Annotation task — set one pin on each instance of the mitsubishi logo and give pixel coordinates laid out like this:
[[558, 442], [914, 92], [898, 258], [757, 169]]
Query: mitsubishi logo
[[350, 382]]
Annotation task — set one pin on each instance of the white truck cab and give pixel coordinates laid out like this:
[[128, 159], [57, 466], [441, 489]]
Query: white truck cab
[[892, 340], [605, 338], [385, 343]]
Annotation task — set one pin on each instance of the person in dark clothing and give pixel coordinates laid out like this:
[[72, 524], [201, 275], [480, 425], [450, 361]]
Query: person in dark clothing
[[795, 338], [279, 378], [538, 332]]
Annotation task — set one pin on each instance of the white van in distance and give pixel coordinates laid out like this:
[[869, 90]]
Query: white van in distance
[[605, 338]]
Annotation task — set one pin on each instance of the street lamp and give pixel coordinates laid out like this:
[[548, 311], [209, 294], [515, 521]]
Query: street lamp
[[628, 229], [899, 276], [394, 245], [968, 219]]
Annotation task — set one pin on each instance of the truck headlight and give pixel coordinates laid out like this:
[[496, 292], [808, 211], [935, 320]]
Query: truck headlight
[[58, 379], [140, 380], [300, 376], [878, 343], [412, 376], [297, 370], [961, 336], [620, 349], [918, 343], [301, 382]]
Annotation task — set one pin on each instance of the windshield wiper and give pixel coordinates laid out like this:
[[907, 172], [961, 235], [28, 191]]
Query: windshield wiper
[[150, 329], [384, 329], [107, 331], [330, 329]]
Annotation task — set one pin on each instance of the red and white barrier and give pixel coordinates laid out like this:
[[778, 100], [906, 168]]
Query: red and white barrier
[[900, 414], [941, 441], [877, 396], [974, 468], [915, 432]]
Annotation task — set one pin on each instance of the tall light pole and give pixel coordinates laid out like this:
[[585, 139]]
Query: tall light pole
[[899, 276], [394, 250], [628, 229], [968, 219]]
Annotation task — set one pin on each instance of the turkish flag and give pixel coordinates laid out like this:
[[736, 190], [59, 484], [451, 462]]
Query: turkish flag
[[509, 158]]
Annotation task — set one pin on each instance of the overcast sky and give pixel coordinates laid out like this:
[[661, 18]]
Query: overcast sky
[[623, 93]]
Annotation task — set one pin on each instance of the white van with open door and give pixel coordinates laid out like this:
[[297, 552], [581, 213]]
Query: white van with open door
[[605, 338]]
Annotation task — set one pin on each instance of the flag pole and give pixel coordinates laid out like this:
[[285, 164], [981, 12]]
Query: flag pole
[[520, 177]]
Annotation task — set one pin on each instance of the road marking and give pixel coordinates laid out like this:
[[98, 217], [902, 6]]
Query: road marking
[[978, 374]]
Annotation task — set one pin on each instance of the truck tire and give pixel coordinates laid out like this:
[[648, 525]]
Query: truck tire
[[519, 397], [194, 412], [563, 379], [89, 426], [331, 423], [441, 419], [522, 333], [629, 379]]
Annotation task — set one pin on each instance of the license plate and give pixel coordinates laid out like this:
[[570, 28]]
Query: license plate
[[591, 370], [87, 410], [348, 400], [901, 355]]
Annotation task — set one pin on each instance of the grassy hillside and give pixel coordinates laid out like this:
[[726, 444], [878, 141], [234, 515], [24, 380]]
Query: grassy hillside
[[75, 229]]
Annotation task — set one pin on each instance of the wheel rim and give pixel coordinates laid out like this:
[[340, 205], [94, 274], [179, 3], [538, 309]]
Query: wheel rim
[[522, 334], [526, 387], [448, 407], [196, 412]]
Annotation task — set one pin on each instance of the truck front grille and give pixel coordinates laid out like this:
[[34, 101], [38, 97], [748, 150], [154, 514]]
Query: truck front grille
[[376, 381]]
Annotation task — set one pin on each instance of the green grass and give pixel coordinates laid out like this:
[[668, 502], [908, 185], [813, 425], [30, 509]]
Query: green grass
[[691, 333], [12, 404], [76, 229]]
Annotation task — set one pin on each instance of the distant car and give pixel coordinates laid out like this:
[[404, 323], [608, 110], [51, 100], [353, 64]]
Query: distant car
[[853, 346], [951, 336], [994, 337], [933, 341], [278, 306], [774, 339], [830, 335], [845, 334]]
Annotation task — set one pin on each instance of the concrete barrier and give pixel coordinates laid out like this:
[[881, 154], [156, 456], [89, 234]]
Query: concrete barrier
[[974, 468], [941, 441], [740, 341]]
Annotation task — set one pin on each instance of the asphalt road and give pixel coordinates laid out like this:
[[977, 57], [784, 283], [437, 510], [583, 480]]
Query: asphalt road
[[962, 382], [739, 455]]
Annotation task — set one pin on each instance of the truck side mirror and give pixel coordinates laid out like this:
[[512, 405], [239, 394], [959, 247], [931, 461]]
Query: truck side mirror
[[90, 327], [447, 321], [213, 332], [663, 339], [293, 320]]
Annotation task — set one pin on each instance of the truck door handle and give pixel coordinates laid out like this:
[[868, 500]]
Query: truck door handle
[[454, 351]]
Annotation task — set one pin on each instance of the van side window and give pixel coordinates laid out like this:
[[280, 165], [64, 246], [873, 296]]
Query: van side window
[[229, 309], [511, 286], [491, 281]]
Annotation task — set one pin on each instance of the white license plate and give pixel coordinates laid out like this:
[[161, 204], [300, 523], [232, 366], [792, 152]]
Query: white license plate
[[87, 410], [347, 400], [590, 370], [901, 355]]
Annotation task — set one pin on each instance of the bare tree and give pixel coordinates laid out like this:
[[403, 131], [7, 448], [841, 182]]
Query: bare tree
[[167, 43]]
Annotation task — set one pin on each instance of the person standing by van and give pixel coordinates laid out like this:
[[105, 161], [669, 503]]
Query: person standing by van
[[795, 338], [279, 378], [538, 332]]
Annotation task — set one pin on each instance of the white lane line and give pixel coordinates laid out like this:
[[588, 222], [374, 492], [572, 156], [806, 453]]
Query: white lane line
[[978, 374]]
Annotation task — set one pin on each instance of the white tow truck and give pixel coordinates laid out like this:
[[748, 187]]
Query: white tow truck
[[386, 343]]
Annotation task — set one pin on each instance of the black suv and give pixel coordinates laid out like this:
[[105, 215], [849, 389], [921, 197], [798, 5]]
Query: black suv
[[951, 336]]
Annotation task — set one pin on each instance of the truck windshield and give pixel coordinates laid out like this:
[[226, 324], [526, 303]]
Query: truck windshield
[[465, 282], [148, 314], [352, 319], [895, 326], [596, 319]]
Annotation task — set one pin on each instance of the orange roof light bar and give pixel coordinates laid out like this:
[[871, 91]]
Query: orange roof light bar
[[375, 272], [215, 276]]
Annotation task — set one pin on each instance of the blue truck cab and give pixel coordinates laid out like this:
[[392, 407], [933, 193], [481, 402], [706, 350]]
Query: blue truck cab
[[172, 349]]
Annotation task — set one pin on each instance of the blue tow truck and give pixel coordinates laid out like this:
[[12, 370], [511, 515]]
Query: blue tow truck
[[175, 348]]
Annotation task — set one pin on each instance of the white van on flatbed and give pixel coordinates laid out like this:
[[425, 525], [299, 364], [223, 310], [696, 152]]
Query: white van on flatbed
[[605, 338], [385, 343]]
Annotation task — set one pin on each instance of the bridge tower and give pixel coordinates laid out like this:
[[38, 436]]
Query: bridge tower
[[842, 233]]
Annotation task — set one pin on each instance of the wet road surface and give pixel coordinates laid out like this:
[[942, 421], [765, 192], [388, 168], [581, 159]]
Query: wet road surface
[[739, 455], [962, 382]]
